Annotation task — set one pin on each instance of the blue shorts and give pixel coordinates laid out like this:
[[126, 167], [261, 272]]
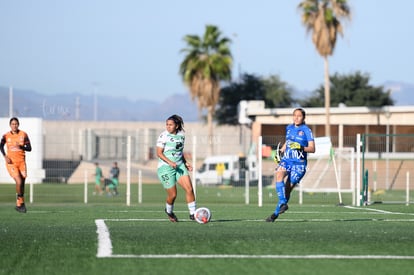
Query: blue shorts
[[295, 172]]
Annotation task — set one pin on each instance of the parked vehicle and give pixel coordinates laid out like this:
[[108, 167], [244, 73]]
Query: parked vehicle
[[227, 170]]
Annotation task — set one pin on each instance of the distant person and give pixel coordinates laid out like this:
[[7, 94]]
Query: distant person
[[292, 165], [98, 179], [220, 167], [112, 187], [17, 143], [173, 167]]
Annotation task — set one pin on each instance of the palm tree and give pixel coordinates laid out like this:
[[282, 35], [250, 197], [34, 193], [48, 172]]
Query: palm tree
[[321, 18], [207, 62]]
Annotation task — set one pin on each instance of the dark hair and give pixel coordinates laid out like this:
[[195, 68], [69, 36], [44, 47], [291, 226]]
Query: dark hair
[[178, 121], [14, 118], [303, 113]]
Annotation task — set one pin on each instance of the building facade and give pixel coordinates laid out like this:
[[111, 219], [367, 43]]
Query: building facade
[[346, 122]]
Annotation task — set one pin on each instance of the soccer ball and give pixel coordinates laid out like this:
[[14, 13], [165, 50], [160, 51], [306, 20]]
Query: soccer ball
[[202, 215]]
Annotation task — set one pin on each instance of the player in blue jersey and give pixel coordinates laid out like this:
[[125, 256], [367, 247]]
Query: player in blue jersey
[[292, 165], [173, 167]]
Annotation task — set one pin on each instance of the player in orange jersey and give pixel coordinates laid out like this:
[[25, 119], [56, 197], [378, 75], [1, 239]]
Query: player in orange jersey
[[17, 143]]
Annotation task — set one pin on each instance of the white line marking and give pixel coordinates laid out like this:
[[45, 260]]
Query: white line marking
[[245, 256], [262, 220], [378, 210], [105, 249], [104, 240]]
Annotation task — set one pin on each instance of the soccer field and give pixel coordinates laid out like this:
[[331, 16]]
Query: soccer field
[[62, 235]]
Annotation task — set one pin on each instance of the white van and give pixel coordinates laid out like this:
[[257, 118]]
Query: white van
[[233, 172]]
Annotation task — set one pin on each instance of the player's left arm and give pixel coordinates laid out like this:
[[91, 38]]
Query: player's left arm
[[310, 148], [311, 142], [187, 164], [26, 144]]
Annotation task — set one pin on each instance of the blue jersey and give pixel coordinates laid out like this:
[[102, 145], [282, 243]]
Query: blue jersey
[[301, 134]]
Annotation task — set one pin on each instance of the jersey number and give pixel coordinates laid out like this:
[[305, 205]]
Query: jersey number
[[165, 177]]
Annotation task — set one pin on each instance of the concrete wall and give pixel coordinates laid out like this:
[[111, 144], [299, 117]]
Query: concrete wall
[[89, 140]]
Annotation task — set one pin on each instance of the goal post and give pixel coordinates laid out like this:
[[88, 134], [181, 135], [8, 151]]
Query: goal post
[[330, 170], [386, 163]]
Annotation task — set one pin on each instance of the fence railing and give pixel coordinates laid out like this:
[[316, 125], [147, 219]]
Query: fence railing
[[387, 158]]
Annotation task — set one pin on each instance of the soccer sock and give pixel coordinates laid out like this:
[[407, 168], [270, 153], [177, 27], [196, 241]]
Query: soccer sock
[[192, 207], [287, 198], [19, 199], [169, 208], [280, 190], [287, 194]]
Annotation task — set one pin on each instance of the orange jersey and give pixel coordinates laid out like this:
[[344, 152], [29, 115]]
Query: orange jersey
[[14, 144]]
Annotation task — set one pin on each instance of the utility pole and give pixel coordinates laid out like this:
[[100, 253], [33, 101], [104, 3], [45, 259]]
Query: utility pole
[[77, 108], [10, 101], [95, 102]]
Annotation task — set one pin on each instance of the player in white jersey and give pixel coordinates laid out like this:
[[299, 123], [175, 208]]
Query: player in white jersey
[[173, 167]]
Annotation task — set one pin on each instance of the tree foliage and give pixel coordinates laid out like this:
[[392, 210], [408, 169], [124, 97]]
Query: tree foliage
[[351, 90], [278, 93], [206, 64], [272, 90], [322, 19]]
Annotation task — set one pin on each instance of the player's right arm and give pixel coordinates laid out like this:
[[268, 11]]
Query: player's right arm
[[2, 143], [283, 149], [161, 144], [160, 154], [277, 154]]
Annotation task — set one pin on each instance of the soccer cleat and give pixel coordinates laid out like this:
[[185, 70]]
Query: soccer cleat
[[272, 218], [171, 216], [192, 217], [284, 207], [21, 208]]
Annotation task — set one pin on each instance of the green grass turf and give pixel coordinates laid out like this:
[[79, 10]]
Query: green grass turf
[[58, 234]]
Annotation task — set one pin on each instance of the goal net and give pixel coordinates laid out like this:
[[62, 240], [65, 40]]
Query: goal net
[[330, 170]]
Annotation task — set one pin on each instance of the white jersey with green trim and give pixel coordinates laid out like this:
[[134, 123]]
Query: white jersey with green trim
[[173, 147]]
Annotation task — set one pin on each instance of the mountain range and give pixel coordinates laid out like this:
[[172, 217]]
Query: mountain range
[[75, 106], [402, 93]]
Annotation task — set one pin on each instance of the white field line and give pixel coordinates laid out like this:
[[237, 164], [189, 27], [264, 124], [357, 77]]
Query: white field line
[[245, 256], [105, 247], [104, 239], [378, 210], [367, 211], [262, 220]]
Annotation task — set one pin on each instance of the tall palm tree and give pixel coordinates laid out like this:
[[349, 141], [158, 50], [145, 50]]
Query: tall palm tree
[[321, 18], [207, 62]]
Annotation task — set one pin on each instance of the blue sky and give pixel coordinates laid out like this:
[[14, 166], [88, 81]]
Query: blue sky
[[132, 48]]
